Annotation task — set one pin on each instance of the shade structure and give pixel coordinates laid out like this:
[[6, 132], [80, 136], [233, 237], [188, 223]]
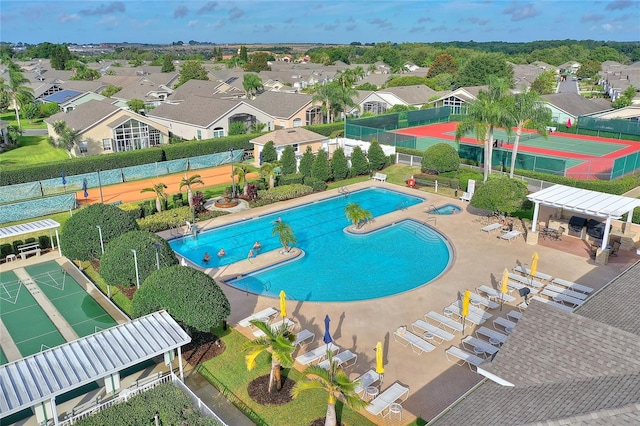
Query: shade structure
[[379, 359], [534, 263], [283, 304], [327, 335]]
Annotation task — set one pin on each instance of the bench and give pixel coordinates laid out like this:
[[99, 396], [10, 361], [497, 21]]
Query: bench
[[116, 203], [29, 248], [380, 177]]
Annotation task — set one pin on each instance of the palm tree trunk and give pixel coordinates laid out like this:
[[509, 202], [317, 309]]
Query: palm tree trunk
[[331, 419], [158, 204], [15, 108], [487, 160], [274, 377], [514, 152], [189, 197]]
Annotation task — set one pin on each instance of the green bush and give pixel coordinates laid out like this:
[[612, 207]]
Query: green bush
[[44, 241], [148, 208], [617, 187], [15, 244], [269, 153], [465, 174], [359, 163], [500, 194], [321, 169], [290, 179], [81, 239], [164, 220], [306, 162], [375, 154], [135, 210], [207, 146], [172, 405], [192, 297], [440, 158], [117, 265], [29, 240], [5, 250], [282, 193], [326, 129], [288, 160], [315, 184], [339, 165]]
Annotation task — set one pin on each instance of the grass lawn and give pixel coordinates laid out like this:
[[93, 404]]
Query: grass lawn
[[10, 117], [32, 150]]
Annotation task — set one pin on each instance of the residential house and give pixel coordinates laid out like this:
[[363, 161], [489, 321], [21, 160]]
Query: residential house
[[153, 89], [105, 127], [569, 106], [616, 78], [525, 74], [200, 117], [570, 67], [299, 138], [288, 109], [204, 88], [631, 113], [564, 368], [415, 96], [458, 99]]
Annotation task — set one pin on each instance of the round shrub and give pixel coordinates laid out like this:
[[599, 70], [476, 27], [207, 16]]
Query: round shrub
[[440, 158], [192, 297], [500, 195], [79, 237], [117, 265], [377, 159]]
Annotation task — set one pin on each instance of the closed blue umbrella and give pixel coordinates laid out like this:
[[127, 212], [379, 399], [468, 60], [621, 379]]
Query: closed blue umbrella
[[84, 188], [64, 181], [327, 335]]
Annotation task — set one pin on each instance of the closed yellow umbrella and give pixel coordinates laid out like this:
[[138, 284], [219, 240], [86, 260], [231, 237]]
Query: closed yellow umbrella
[[283, 304], [534, 264], [504, 289], [465, 307], [379, 360]]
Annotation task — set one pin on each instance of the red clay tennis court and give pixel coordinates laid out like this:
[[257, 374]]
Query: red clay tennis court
[[583, 156]]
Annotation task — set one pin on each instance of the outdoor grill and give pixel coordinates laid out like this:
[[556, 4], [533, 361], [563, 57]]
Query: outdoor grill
[[576, 223], [595, 229]]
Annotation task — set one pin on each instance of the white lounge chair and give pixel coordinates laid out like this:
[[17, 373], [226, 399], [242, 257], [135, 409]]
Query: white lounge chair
[[317, 354], [418, 344], [304, 336], [471, 188], [443, 320], [566, 291], [460, 357], [466, 196], [478, 346], [439, 335], [560, 298], [514, 315], [510, 235], [381, 403], [289, 323], [494, 294], [365, 380], [492, 227], [483, 301], [344, 359], [538, 274], [508, 326], [264, 314], [491, 334], [518, 285], [572, 285], [476, 316], [525, 280]]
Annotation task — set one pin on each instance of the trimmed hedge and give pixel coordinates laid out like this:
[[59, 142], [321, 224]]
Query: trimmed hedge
[[617, 187], [282, 193], [326, 129], [208, 146]]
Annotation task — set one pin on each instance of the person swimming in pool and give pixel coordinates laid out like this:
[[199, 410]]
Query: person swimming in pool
[[221, 252], [206, 257], [257, 246]]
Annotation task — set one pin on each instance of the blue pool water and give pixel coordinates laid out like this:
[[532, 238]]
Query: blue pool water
[[446, 209], [337, 265]]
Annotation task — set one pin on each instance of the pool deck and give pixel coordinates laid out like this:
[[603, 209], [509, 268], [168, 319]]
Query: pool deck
[[479, 258]]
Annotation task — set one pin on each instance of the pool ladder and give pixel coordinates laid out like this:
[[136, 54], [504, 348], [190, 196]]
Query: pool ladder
[[402, 205], [431, 217], [344, 190]]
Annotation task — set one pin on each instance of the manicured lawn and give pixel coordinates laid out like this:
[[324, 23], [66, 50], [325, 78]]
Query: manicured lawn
[[10, 118], [32, 150]]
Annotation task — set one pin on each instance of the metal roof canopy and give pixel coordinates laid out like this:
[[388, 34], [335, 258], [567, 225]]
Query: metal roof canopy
[[27, 228], [43, 376], [584, 201]]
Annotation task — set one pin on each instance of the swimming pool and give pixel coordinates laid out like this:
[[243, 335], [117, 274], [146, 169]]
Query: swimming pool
[[446, 209], [337, 266]]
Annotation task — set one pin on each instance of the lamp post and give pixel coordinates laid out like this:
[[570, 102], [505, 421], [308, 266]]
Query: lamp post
[[101, 241], [100, 185], [233, 181], [135, 261], [157, 246]]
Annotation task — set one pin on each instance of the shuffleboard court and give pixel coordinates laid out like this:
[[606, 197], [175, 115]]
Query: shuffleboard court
[[27, 323], [3, 358], [83, 313]]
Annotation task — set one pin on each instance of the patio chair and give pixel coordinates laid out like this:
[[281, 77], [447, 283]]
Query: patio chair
[[344, 359], [492, 227], [614, 248], [439, 335], [418, 344], [390, 395], [365, 380], [460, 357], [510, 235]]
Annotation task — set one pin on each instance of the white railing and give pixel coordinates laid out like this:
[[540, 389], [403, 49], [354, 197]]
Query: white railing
[[94, 407]]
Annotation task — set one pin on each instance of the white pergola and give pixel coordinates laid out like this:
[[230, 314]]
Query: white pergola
[[586, 202], [27, 228]]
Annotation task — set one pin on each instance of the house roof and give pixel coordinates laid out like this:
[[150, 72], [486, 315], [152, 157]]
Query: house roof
[[576, 105], [285, 137], [86, 114], [204, 88], [567, 368], [411, 95], [63, 96], [196, 110], [281, 104], [27, 228]]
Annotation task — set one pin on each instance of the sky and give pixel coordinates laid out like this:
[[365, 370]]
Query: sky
[[310, 21]]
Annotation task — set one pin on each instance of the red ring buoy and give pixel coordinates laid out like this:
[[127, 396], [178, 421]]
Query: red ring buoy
[[411, 182]]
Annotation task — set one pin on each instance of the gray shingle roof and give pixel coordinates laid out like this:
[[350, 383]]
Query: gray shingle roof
[[85, 115], [289, 137], [577, 105], [412, 95], [197, 110], [578, 368], [281, 104]]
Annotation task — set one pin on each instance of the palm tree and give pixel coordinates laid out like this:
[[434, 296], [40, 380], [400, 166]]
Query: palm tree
[[357, 215], [285, 234], [16, 88], [68, 137], [526, 110], [485, 113], [344, 98], [241, 172], [278, 342], [157, 189], [252, 84], [188, 181], [333, 381], [268, 170], [325, 94]]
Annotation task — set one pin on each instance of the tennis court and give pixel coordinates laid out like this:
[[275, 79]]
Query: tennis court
[[77, 307], [585, 157], [27, 323]]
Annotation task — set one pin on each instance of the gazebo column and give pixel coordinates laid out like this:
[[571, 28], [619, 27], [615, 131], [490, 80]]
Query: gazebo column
[[54, 411], [605, 236], [58, 240], [180, 363], [536, 212], [626, 229]]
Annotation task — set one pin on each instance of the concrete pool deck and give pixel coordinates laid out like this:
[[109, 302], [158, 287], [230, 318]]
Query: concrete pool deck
[[479, 258]]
